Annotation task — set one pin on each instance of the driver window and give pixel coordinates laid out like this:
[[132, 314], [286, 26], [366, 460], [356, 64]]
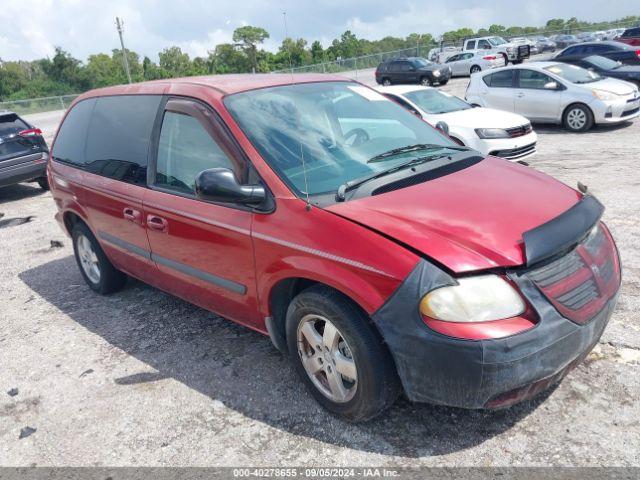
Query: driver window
[[185, 149], [483, 44], [533, 79], [454, 58]]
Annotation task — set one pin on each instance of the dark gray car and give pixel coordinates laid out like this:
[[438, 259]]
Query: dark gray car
[[23, 151], [412, 70]]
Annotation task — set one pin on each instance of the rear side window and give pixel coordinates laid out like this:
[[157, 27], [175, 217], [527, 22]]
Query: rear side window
[[119, 135], [631, 32], [11, 124], [503, 79], [185, 150], [70, 141]]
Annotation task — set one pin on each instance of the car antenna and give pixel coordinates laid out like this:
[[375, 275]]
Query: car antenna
[[304, 166]]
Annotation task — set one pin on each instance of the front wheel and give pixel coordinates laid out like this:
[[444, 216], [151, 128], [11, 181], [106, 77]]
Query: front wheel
[[339, 355], [578, 118], [426, 81], [95, 267]]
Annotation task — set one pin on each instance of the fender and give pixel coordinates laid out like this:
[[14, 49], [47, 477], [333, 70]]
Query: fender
[[355, 285]]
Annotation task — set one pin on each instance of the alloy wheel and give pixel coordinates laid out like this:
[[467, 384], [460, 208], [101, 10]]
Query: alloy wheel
[[576, 118], [88, 259], [327, 358]]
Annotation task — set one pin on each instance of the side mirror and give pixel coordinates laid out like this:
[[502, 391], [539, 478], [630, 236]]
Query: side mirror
[[443, 127], [551, 86], [221, 185]]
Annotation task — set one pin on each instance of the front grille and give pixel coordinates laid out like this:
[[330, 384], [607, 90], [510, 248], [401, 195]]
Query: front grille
[[513, 153], [580, 283], [519, 131]]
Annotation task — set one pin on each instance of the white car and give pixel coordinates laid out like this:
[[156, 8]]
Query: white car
[[467, 63], [489, 131], [551, 92]]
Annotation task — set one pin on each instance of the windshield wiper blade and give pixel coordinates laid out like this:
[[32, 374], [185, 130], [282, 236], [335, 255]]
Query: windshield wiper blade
[[352, 184], [411, 148]]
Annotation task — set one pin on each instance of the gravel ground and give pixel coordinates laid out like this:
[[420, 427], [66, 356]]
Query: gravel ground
[[142, 378]]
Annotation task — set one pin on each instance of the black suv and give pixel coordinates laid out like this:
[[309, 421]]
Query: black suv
[[23, 152], [412, 70]]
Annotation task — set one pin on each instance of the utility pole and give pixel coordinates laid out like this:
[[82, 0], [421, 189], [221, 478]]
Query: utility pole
[[125, 60]]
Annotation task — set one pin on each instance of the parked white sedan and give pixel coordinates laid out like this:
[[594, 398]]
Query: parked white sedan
[[551, 92], [467, 63], [489, 131]]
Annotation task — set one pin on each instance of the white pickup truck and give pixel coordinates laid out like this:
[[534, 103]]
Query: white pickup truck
[[514, 53]]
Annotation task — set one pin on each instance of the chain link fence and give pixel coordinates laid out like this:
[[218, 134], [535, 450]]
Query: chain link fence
[[360, 63], [38, 105]]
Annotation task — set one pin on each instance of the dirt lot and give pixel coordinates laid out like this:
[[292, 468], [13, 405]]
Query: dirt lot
[[141, 378]]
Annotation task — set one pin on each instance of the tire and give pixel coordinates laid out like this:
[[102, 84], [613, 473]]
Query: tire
[[386, 82], [376, 385], [444, 82], [426, 81], [517, 62], [577, 118], [44, 183], [475, 69], [108, 279]]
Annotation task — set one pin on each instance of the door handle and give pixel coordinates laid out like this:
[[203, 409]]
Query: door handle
[[131, 214], [519, 94], [157, 223]]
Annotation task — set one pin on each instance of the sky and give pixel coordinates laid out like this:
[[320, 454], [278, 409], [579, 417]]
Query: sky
[[30, 29]]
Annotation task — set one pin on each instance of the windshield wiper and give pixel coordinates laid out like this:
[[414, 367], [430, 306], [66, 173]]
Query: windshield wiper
[[411, 148], [352, 184]]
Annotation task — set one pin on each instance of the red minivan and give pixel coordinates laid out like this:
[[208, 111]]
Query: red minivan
[[378, 254]]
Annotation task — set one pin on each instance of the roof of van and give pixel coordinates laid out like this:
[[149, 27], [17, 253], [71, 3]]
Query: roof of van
[[233, 83]]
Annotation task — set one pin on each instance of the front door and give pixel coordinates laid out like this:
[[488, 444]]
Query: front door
[[203, 250], [533, 100]]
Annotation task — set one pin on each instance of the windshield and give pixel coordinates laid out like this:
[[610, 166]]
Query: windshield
[[434, 101], [573, 73], [335, 128], [495, 41], [602, 62]]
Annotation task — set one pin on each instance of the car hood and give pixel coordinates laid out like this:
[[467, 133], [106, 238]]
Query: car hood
[[478, 118], [612, 85], [469, 220]]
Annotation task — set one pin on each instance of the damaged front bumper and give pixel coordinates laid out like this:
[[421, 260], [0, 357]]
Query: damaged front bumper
[[493, 373]]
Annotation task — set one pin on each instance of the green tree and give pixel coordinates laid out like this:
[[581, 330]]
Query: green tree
[[317, 52], [249, 37], [174, 63]]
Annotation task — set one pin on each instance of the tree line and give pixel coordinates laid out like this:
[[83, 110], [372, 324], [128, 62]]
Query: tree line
[[64, 74]]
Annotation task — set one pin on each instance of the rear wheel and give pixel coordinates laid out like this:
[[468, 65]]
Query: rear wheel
[[95, 267], [339, 356], [44, 183], [578, 118], [386, 82], [475, 69]]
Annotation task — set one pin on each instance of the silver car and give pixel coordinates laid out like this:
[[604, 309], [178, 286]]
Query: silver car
[[466, 63], [551, 92]]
